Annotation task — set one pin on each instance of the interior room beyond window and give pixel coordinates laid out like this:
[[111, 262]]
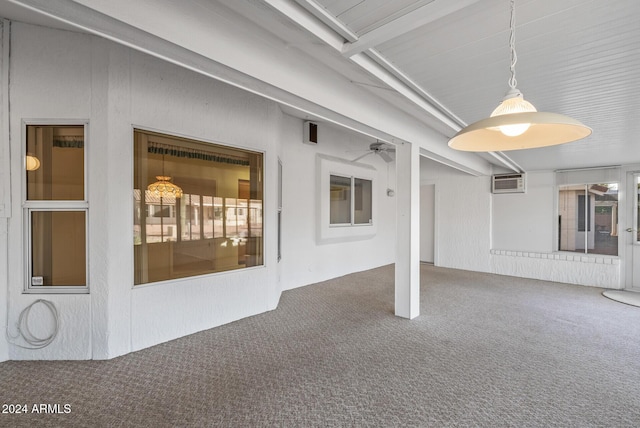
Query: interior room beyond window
[[197, 207], [56, 207]]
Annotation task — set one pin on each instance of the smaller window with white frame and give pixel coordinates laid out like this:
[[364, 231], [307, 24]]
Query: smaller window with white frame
[[348, 200], [55, 208]]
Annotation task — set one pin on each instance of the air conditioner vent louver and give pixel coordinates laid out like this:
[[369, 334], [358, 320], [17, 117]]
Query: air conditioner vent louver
[[508, 183]]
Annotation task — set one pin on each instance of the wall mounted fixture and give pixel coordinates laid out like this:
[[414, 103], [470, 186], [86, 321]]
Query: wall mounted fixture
[[516, 124]]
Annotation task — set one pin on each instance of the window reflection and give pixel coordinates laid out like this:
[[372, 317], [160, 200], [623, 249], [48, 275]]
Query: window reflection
[[340, 194], [350, 198], [56, 206], [638, 208], [215, 225], [58, 248], [59, 151], [588, 218], [362, 201]]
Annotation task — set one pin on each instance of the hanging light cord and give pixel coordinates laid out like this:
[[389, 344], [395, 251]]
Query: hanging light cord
[[32, 340], [512, 45]]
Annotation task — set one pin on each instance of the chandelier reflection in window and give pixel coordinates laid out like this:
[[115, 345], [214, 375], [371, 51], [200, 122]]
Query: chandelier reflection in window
[[164, 188]]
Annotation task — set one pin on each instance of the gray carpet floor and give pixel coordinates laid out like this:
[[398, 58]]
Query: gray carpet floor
[[487, 351]]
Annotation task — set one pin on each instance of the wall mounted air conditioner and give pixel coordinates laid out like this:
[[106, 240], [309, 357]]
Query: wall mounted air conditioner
[[508, 183]]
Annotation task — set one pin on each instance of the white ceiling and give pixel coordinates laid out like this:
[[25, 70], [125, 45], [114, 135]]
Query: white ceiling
[[576, 57], [449, 60]]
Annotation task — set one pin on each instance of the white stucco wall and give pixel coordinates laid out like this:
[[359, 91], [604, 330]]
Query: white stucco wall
[[304, 259], [61, 75], [219, 113], [463, 217], [4, 345], [525, 221], [65, 75], [507, 234], [427, 222], [50, 78], [524, 226]]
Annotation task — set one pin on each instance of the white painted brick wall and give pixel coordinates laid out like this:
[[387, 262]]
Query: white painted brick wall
[[591, 270]]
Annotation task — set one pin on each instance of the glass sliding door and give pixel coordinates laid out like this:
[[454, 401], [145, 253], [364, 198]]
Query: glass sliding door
[[588, 218]]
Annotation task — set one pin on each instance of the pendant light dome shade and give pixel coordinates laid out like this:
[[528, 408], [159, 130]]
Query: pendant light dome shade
[[545, 129], [516, 124]]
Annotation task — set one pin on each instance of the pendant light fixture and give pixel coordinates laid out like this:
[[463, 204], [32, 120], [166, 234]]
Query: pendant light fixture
[[164, 188], [516, 124]]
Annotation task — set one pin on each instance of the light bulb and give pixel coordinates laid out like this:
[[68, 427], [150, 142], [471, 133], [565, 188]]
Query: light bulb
[[513, 102]]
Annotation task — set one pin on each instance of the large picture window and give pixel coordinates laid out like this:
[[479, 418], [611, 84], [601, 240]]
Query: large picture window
[[197, 207], [588, 218], [55, 208]]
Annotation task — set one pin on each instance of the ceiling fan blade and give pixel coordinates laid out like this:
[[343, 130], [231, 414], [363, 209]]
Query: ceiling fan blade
[[384, 155], [360, 157]]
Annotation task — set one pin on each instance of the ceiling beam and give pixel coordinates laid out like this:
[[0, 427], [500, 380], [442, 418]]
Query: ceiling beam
[[93, 22], [321, 26], [506, 161], [328, 19], [404, 78], [274, 73], [450, 163], [396, 84], [404, 24], [324, 32]]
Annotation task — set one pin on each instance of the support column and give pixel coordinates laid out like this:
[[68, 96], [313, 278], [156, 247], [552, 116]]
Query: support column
[[407, 274]]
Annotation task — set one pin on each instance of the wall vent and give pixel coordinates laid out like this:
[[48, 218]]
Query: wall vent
[[310, 134], [508, 183]]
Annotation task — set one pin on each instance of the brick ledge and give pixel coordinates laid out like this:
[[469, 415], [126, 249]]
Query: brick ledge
[[569, 257]]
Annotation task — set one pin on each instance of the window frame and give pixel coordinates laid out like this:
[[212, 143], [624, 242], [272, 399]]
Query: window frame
[[279, 212], [200, 140], [349, 201], [588, 218], [30, 206], [584, 212], [636, 208], [352, 201], [330, 233]]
